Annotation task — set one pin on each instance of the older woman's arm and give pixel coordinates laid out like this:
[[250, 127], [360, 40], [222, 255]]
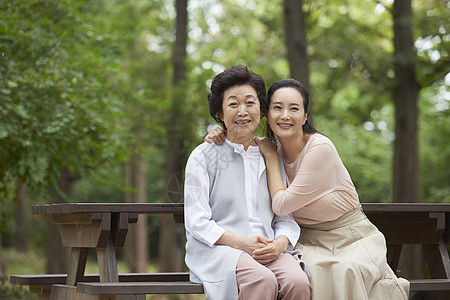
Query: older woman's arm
[[246, 244], [197, 212]]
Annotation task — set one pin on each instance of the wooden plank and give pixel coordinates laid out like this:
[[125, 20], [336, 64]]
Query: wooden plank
[[429, 285], [65, 292], [410, 233], [77, 265], [105, 230], [410, 228], [49, 279], [173, 208], [405, 207], [399, 217], [83, 235], [119, 228], [77, 218], [132, 217], [107, 264], [145, 208], [139, 288], [36, 279]]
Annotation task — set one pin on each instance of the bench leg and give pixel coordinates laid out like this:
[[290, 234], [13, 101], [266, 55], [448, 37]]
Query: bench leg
[[393, 256], [77, 265], [107, 262], [437, 259]]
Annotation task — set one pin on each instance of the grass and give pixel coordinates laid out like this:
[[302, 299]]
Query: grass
[[33, 262]]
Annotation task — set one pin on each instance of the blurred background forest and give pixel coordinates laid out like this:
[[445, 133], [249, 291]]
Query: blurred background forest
[[103, 100]]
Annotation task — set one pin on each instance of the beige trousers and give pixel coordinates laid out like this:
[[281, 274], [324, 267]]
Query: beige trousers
[[347, 260], [281, 279]]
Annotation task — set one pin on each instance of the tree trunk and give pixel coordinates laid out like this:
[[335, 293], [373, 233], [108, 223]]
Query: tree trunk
[[296, 41], [171, 243], [3, 270], [136, 248], [20, 217], [406, 90], [57, 255], [405, 97]]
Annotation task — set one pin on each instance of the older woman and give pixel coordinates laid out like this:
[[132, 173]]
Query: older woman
[[236, 247]]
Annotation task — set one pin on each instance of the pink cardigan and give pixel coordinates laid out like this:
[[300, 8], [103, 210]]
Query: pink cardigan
[[319, 186]]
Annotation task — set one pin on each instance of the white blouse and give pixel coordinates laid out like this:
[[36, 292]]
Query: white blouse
[[198, 220]]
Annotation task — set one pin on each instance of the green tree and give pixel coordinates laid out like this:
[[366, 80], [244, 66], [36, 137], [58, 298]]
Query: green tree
[[55, 113], [59, 116]]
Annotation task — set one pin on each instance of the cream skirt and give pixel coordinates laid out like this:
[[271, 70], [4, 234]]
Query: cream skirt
[[347, 260]]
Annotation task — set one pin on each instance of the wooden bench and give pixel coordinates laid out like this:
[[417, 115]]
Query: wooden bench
[[137, 289], [141, 288], [41, 284]]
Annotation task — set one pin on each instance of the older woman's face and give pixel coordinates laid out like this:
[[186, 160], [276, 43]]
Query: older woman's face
[[240, 110]]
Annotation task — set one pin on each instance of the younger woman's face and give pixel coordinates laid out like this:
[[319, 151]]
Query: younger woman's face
[[286, 115]]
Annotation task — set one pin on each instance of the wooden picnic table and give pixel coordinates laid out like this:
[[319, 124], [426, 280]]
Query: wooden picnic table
[[104, 226], [426, 224]]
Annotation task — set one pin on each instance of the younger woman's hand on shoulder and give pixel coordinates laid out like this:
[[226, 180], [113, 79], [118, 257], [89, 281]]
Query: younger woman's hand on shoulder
[[266, 146], [216, 136]]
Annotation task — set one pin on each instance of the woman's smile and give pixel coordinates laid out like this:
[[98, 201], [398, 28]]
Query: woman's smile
[[284, 125], [243, 123]]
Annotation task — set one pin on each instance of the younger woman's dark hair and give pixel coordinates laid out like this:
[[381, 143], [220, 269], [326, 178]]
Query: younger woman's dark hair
[[291, 83], [235, 76]]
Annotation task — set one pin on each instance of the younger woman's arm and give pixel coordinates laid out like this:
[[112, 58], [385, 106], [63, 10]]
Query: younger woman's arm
[[269, 150]]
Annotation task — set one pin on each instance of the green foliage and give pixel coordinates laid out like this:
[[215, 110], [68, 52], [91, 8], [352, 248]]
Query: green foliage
[[350, 52], [13, 292], [433, 42], [434, 132], [367, 155], [57, 109]]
